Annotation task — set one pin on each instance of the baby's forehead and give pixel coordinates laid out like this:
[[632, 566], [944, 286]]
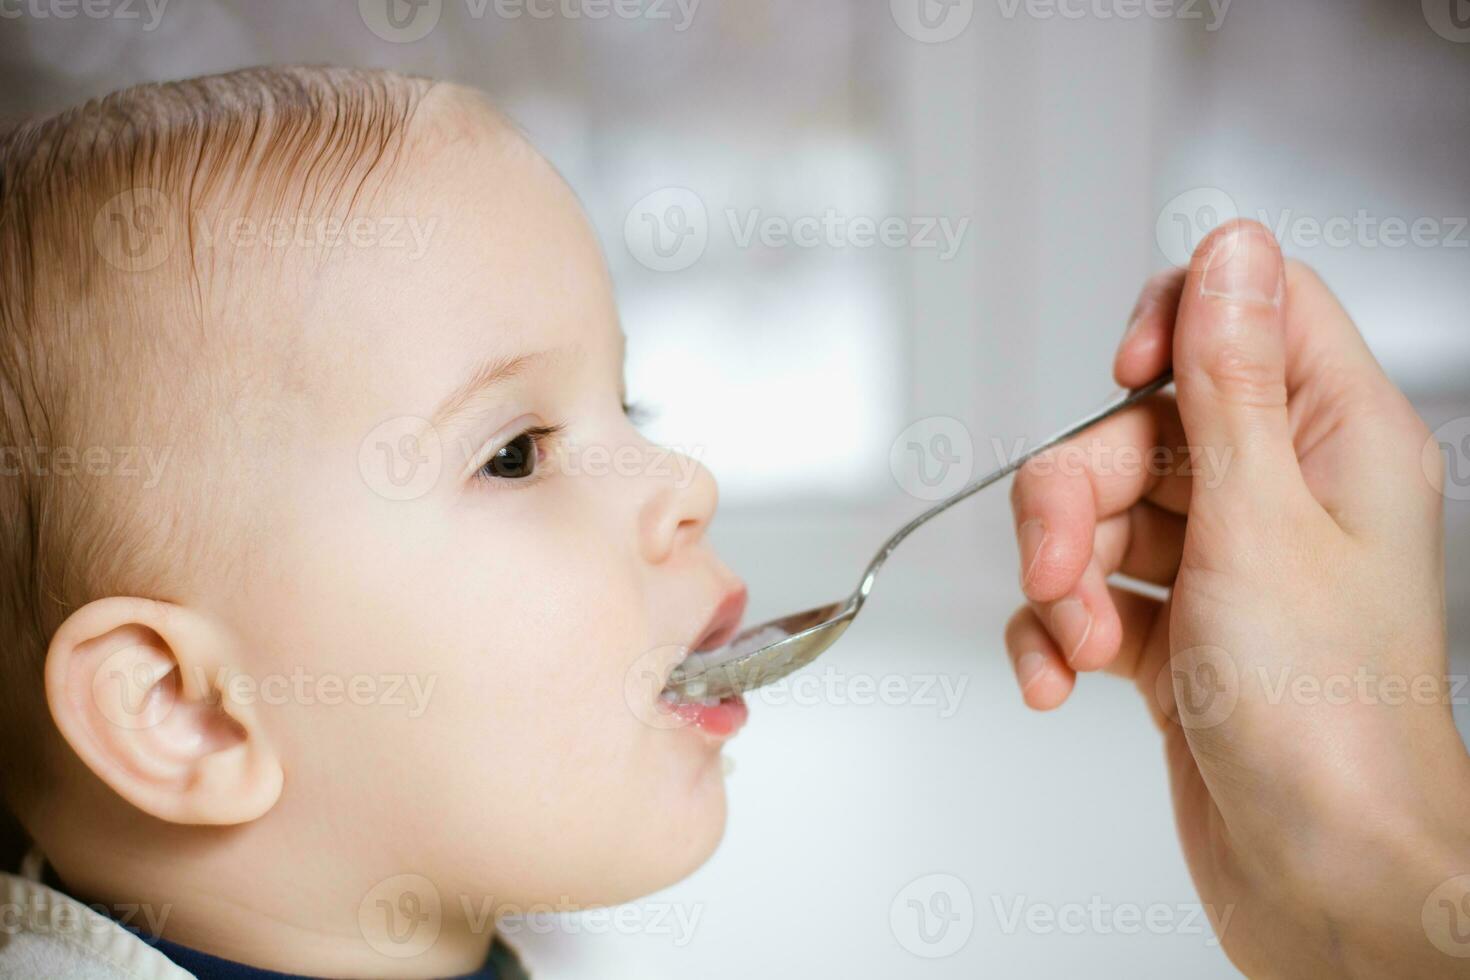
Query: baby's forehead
[[473, 248], [305, 230], [311, 197], [335, 216]]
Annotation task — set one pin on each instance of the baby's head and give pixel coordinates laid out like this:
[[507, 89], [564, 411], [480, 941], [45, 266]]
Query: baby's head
[[329, 553]]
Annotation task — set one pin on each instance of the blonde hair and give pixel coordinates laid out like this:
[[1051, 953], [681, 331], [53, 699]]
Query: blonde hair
[[106, 302]]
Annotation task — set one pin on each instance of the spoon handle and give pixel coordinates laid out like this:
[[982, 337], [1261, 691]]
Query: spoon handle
[[1123, 401]]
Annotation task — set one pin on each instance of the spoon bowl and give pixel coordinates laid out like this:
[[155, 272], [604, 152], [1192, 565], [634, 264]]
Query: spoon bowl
[[751, 660], [766, 653]]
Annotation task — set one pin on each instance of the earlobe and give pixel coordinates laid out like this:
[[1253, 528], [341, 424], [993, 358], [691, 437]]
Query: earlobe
[[139, 689]]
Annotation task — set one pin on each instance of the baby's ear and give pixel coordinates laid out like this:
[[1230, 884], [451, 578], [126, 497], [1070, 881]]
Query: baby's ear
[[139, 689]]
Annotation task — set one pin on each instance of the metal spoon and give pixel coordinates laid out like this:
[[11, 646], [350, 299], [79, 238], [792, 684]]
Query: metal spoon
[[745, 666]]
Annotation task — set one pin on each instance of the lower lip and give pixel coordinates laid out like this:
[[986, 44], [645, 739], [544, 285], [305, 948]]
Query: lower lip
[[720, 720]]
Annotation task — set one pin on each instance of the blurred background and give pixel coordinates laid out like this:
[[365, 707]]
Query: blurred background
[[861, 251]]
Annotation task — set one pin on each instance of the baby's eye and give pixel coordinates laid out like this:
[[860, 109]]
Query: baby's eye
[[518, 459]]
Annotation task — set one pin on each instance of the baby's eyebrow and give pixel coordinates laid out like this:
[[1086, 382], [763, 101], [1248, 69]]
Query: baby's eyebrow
[[488, 374]]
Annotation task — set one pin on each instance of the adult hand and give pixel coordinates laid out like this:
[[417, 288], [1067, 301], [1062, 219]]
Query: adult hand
[[1289, 498]]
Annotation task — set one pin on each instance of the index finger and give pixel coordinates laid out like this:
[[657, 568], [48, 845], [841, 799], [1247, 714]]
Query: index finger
[[1147, 347], [1059, 497]]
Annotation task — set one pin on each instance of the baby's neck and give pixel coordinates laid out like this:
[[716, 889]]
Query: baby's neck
[[394, 930]]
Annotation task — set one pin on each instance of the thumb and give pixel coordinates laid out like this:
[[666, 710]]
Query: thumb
[[1230, 370]]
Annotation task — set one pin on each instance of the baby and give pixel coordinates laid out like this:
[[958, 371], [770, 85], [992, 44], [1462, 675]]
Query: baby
[[323, 639]]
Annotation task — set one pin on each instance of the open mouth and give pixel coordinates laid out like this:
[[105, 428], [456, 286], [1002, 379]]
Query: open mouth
[[723, 622], [721, 717]]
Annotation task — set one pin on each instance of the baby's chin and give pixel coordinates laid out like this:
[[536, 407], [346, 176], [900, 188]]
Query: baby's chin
[[685, 837], [687, 831], [617, 852]]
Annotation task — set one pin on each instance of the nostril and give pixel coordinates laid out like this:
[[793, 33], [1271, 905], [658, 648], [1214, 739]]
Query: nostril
[[659, 526], [677, 513]]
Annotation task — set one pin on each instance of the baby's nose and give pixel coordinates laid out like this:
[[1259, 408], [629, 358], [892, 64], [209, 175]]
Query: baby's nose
[[681, 503]]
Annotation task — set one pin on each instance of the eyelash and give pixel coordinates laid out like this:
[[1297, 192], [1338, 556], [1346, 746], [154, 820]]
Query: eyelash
[[540, 436]]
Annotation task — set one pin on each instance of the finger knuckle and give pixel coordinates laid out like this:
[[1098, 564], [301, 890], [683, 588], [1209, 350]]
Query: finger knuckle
[[1020, 622], [1240, 378]]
